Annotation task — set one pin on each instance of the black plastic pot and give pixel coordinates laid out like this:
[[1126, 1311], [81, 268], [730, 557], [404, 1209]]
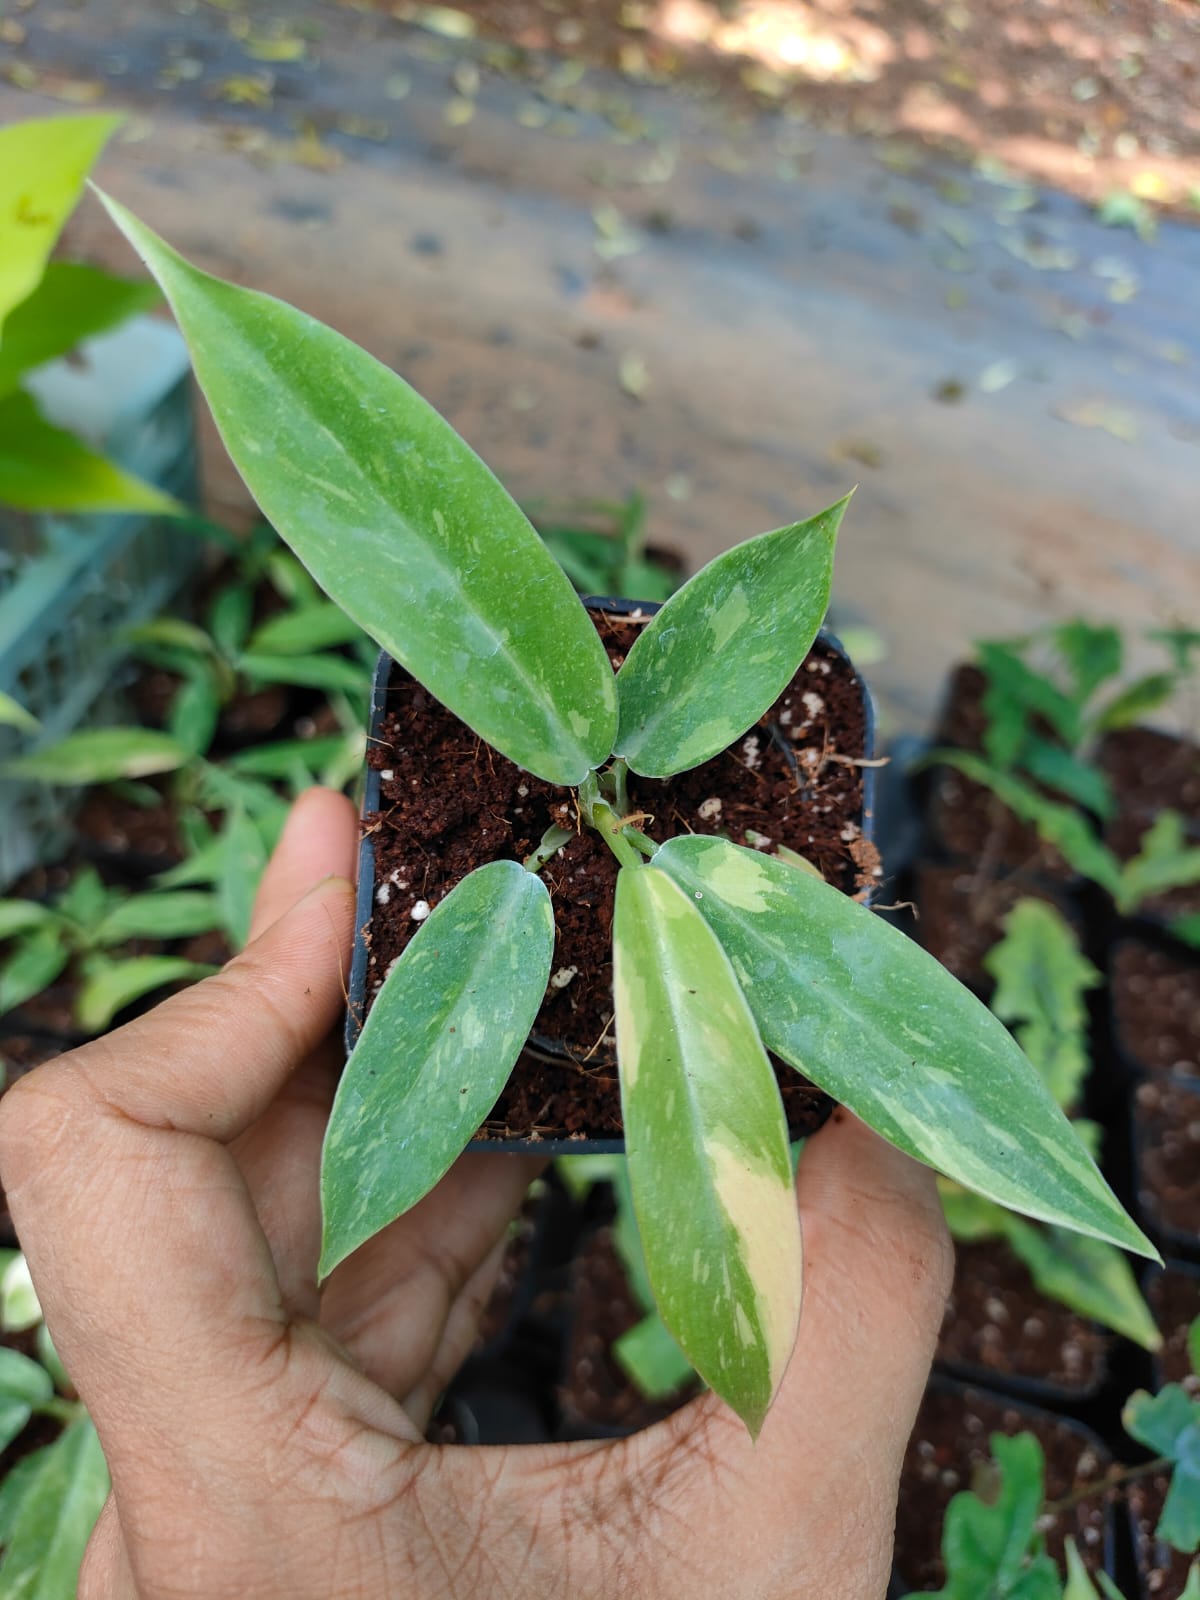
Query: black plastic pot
[[1177, 1241], [357, 989], [1130, 1062], [1026, 1416]]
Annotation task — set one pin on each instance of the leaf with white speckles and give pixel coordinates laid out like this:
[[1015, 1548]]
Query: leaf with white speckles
[[707, 1146], [397, 519], [724, 647], [435, 1051], [872, 1018]]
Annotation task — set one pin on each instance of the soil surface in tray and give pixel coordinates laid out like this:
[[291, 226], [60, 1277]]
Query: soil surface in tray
[[1167, 1121], [450, 803], [1164, 1571], [965, 818], [961, 917], [997, 1320], [595, 1391], [1151, 772], [1174, 1298], [1156, 1009], [951, 1441]]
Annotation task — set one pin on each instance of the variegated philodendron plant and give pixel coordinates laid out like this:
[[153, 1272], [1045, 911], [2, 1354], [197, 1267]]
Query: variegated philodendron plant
[[721, 953]]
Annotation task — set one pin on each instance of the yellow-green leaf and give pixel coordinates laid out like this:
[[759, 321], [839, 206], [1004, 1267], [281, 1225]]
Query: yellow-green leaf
[[398, 520], [435, 1051], [724, 647], [707, 1146], [99, 755], [43, 163], [872, 1018]]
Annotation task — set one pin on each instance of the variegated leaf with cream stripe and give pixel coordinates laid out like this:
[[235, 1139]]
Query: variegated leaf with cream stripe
[[707, 1146], [435, 1051], [875, 1021], [397, 519], [722, 649]]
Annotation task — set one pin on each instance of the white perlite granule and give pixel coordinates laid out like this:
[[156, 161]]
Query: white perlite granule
[[420, 911], [709, 809], [562, 977]]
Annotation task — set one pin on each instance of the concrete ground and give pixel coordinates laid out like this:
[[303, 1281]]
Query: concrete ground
[[607, 287]]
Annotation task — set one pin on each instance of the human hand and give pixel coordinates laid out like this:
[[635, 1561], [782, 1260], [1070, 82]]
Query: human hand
[[265, 1437]]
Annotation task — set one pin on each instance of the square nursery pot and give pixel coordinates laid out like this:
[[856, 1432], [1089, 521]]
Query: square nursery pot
[[1150, 772], [1174, 1296], [951, 1441], [439, 802], [1166, 1149], [964, 821], [1002, 1332], [1154, 999]]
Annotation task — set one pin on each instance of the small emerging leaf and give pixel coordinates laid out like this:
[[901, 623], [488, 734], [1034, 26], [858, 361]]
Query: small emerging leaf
[[18, 916], [434, 1052], [32, 967], [706, 1145], [1169, 1424], [648, 1354], [178, 915], [879, 1024], [1165, 861], [1091, 1277], [308, 629], [398, 520], [1142, 696], [724, 647]]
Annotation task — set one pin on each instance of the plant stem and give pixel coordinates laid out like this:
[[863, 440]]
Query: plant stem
[[608, 825], [640, 842], [1102, 1485], [552, 841], [64, 1411], [619, 775]]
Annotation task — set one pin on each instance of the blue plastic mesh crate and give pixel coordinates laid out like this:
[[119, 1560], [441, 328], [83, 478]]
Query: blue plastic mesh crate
[[71, 586]]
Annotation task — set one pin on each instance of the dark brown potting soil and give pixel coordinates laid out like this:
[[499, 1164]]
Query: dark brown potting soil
[[961, 917], [1174, 1297], [1151, 772], [1156, 1008], [949, 1445], [1163, 1570], [997, 1320], [1167, 1132], [595, 1392], [450, 803]]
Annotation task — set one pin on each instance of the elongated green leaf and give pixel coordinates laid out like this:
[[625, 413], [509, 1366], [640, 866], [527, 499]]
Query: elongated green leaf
[[73, 302], [17, 916], [1137, 701], [177, 915], [277, 759], [243, 857], [173, 632], [398, 520], [55, 1517], [1093, 654], [724, 647], [1165, 861], [1042, 978], [304, 631], [99, 755], [23, 1379], [1079, 1585], [436, 1049], [1012, 682], [328, 672], [14, 715], [112, 985], [1091, 1277], [196, 709], [44, 468], [706, 1143], [1068, 775], [12, 1492], [1059, 825], [43, 163], [32, 967], [883, 1027]]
